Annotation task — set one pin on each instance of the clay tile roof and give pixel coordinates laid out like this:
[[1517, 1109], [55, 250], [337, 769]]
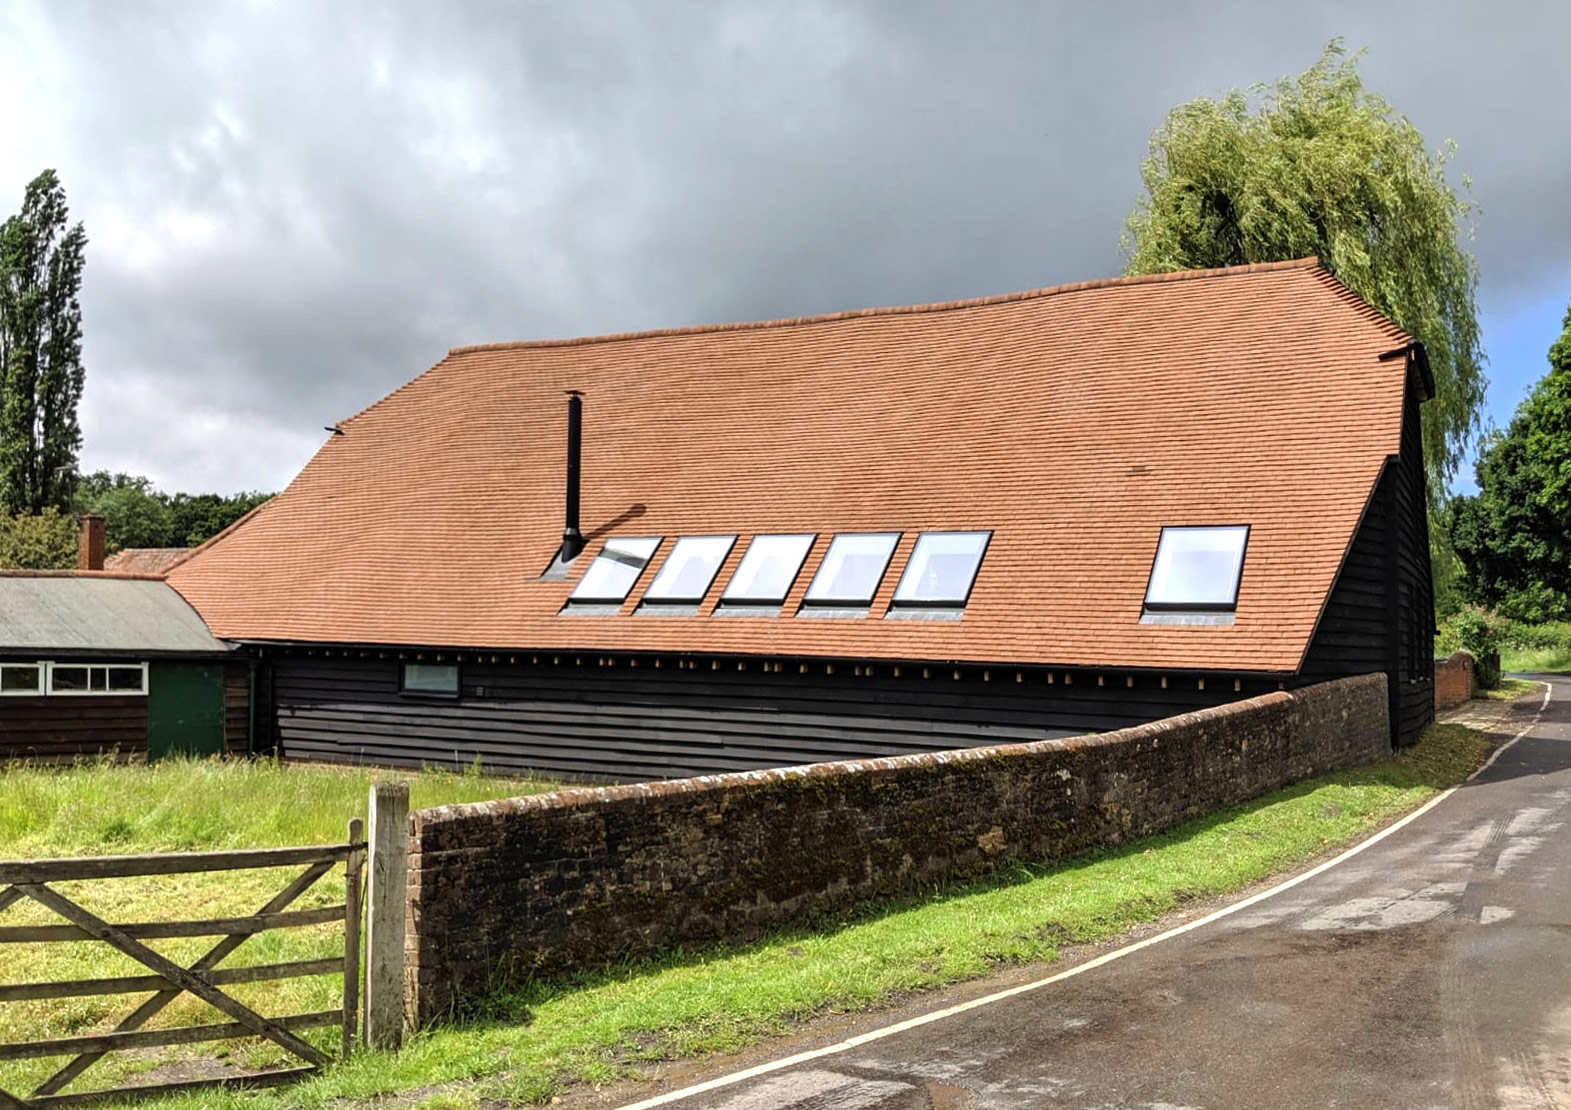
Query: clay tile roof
[[144, 560], [1073, 422]]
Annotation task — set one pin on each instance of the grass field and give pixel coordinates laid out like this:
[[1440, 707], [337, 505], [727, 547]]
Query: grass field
[[186, 805], [527, 1045]]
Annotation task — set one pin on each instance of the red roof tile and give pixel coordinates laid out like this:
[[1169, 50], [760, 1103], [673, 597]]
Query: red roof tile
[[1073, 422], [144, 560]]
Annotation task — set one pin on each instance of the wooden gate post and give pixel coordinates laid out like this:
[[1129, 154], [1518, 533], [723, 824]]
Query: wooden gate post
[[387, 894]]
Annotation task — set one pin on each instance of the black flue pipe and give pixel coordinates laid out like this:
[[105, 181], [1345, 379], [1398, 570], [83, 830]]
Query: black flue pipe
[[572, 538]]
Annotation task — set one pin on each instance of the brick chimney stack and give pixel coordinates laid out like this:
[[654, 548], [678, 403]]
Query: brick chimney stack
[[90, 547]]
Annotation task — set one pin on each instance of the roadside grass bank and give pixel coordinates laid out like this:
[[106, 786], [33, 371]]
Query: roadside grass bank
[[1508, 690], [525, 1046], [103, 808], [1542, 660]]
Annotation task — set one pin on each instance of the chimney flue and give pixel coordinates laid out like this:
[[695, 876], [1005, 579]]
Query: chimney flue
[[572, 538], [90, 543]]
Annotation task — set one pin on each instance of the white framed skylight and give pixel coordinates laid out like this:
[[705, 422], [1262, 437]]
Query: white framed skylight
[[615, 570], [942, 569], [768, 570], [852, 568], [1197, 568], [689, 570]]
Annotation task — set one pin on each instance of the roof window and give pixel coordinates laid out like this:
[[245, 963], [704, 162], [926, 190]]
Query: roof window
[[1197, 570], [942, 568], [767, 571], [851, 571], [614, 571], [689, 570]]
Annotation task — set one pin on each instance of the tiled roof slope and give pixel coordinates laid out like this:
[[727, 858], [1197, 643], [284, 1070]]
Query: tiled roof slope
[[144, 560], [1074, 422]]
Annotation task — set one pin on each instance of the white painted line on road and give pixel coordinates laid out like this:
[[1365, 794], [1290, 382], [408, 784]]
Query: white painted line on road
[[1079, 969]]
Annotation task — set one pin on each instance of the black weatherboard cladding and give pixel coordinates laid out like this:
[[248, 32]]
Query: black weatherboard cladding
[[1380, 613], [624, 722]]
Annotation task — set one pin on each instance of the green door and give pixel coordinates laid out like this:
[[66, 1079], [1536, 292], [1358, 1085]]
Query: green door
[[185, 709]]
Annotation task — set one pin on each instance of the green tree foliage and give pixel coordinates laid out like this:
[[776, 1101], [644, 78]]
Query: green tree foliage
[[1514, 536], [1318, 165], [137, 515], [37, 541], [41, 373]]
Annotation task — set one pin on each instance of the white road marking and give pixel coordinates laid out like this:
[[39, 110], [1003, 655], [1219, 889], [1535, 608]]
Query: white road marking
[[872, 1035]]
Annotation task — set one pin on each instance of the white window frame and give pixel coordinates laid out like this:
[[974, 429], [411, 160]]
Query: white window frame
[[43, 685], [49, 680]]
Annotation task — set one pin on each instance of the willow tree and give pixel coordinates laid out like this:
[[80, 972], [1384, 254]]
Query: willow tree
[[1318, 165]]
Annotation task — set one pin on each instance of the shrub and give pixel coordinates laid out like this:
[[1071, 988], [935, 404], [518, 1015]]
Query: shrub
[[1481, 633], [1552, 636]]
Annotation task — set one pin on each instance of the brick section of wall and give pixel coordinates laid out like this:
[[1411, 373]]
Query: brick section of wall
[[503, 890], [1453, 680]]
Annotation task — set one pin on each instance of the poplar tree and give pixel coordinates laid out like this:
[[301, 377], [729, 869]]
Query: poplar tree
[[1318, 165], [41, 373]]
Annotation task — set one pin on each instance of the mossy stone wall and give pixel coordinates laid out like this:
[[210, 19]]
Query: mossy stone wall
[[504, 890]]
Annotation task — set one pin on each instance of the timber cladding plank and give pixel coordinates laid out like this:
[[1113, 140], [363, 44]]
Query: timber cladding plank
[[625, 722]]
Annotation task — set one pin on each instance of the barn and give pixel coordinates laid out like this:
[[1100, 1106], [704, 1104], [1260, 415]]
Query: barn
[[867, 533]]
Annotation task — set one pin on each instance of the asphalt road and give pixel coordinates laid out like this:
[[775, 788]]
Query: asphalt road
[[1431, 970]]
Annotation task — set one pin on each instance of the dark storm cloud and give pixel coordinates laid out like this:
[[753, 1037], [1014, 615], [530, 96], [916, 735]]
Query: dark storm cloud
[[296, 207]]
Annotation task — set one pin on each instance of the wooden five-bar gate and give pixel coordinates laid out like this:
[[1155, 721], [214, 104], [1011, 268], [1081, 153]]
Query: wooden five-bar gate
[[166, 979]]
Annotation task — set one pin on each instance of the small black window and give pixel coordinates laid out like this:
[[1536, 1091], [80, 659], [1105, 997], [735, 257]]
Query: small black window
[[434, 679], [1197, 569]]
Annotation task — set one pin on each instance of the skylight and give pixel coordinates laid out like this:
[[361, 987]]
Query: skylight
[[1197, 568], [615, 569], [942, 568], [689, 570], [768, 570], [852, 569]]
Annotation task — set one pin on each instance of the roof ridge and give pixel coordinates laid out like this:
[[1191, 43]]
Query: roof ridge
[[1307, 263], [108, 575]]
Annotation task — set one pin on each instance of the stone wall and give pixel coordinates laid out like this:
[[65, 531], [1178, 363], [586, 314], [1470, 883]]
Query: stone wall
[[505, 890], [1453, 680]]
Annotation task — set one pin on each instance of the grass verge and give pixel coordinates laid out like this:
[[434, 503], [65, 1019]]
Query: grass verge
[[1508, 690], [1544, 660], [531, 1043]]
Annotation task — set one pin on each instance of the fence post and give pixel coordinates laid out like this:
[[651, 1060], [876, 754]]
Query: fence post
[[388, 821]]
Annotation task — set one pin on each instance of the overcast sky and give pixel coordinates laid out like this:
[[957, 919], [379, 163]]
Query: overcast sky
[[295, 207]]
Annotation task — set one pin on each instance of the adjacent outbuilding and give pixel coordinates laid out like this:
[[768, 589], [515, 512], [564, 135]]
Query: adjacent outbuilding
[[867, 533], [93, 663]]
